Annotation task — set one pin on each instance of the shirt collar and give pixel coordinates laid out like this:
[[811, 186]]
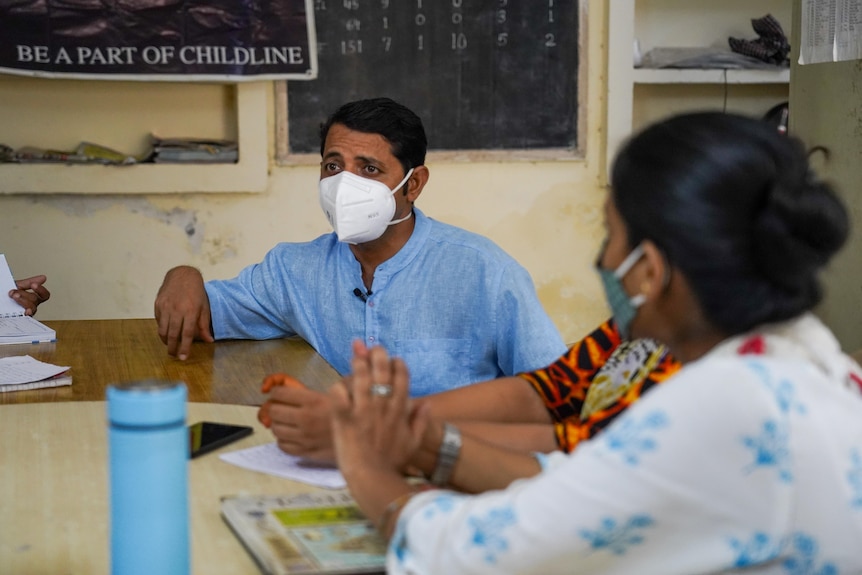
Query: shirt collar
[[414, 245]]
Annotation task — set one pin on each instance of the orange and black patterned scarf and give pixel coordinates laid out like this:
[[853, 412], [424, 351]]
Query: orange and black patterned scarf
[[596, 380]]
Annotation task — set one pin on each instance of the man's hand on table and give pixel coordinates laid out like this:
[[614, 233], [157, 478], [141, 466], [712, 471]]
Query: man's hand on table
[[182, 311]]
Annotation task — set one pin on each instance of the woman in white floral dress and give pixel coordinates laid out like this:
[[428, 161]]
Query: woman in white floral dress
[[749, 460]]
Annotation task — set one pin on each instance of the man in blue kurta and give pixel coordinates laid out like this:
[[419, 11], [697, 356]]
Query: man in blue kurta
[[451, 303]]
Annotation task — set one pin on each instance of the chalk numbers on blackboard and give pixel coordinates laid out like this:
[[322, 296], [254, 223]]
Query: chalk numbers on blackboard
[[459, 38], [482, 74], [550, 40], [420, 22], [501, 20]]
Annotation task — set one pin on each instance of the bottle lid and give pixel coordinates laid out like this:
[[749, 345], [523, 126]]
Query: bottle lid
[[147, 402]]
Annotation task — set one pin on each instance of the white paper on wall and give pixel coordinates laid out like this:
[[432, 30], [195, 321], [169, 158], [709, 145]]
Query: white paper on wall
[[831, 31], [848, 30]]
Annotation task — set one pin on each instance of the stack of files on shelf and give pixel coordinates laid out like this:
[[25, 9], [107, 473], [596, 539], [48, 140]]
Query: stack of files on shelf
[[192, 150], [703, 58], [84, 153]]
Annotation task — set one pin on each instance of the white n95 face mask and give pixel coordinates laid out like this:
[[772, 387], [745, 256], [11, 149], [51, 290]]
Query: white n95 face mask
[[358, 209]]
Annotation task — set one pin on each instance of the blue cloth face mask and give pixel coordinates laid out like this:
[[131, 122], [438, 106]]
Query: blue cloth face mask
[[622, 306]]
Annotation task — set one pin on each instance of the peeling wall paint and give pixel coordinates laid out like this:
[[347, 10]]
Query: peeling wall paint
[[92, 206]]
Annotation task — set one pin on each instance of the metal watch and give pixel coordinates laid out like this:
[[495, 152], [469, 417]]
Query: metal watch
[[450, 449]]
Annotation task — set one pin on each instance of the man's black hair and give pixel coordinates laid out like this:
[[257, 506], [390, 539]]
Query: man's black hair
[[398, 124]]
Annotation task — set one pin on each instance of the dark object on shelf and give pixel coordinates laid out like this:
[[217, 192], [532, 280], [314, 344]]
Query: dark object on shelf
[[771, 46]]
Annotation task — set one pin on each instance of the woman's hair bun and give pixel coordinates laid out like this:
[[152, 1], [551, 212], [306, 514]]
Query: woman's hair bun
[[736, 208], [801, 224]]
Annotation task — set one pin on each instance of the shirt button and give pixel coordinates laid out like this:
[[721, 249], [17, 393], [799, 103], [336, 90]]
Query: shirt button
[[371, 338], [371, 304]]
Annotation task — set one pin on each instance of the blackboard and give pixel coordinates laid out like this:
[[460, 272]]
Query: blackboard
[[482, 74]]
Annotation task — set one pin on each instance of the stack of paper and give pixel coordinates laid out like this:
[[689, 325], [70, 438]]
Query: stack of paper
[[194, 150], [306, 534], [23, 372]]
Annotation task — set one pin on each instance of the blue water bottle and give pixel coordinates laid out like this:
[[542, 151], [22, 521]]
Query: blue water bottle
[[148, 452]]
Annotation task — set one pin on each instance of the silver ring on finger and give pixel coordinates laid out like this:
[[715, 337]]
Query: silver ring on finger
[[380, 390]]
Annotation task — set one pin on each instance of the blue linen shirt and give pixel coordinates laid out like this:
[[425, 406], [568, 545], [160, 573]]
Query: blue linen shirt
[[451, 303]]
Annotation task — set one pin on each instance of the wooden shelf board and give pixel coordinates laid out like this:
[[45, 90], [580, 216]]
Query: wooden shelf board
[[711, 76]]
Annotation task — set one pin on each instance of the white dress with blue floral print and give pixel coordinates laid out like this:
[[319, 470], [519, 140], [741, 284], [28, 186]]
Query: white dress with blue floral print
[[747, 461]]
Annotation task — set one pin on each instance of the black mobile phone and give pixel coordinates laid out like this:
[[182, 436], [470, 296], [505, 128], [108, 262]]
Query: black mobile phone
[[206, 436]]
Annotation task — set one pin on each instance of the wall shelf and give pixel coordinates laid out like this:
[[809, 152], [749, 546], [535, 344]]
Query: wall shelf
[[709, 76], [249, 174], [638, 96]]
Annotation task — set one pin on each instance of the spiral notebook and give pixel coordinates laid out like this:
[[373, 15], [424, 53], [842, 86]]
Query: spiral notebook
[[15, 327]]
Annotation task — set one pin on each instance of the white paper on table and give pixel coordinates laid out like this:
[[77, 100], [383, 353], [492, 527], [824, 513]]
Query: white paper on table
[[25, 369], [268, 458]]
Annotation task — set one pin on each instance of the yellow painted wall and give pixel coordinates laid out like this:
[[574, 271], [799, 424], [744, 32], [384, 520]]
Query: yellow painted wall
[[105, 255], [826, 110]]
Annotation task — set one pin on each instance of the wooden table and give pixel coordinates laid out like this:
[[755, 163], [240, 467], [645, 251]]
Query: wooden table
[[54, 513], [101, 352]]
